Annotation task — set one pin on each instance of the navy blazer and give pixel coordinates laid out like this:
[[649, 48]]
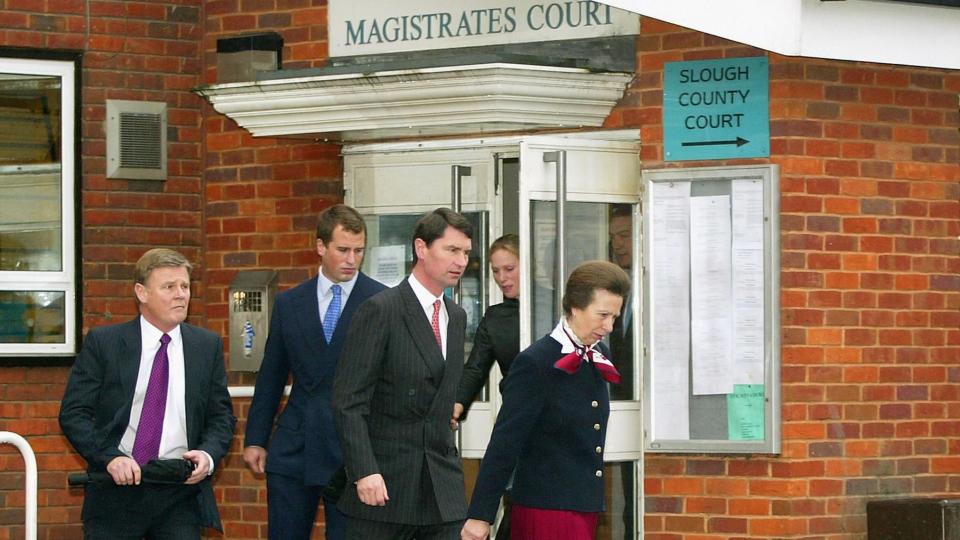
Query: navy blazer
[[304, 445], [96, 405], [551, 429]]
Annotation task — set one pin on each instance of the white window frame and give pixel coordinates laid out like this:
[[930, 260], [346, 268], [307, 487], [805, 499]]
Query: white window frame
[[64, 280]]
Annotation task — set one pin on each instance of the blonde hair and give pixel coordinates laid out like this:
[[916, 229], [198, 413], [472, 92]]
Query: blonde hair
[[508, 242], [157, 258]]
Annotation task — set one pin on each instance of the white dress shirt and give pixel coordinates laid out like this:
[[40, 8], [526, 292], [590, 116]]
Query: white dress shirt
[[427, 299], [325, 295], [173, 441]]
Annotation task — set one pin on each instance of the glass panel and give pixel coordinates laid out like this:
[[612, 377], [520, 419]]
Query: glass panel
[[30, 180], [618, 521], [594, 231], [389, 258], [32, 317]]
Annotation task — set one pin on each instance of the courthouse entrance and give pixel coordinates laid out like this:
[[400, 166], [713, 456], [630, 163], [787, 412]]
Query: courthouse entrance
[[589, 183]]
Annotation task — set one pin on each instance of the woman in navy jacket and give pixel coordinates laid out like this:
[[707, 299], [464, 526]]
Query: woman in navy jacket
[[553, 422]]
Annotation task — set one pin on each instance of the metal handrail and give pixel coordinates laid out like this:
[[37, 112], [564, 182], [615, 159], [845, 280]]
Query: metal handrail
[[30, 462], [247, 391]]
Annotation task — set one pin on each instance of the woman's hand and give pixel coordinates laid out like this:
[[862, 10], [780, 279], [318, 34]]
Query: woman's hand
[[475, 529], [457, 412]]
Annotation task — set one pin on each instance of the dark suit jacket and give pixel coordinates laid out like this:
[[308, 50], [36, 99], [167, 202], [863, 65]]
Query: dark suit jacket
[[305, 444], [552, 429], [621, 350], [497, 339], [96, 405], [393, 399]]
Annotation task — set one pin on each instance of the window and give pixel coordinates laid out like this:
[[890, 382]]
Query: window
[[38, 253]]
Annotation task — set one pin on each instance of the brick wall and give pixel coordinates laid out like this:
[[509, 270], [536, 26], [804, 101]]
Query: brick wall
[[262, 197], [869, 182], [136, 51], [870, 297]]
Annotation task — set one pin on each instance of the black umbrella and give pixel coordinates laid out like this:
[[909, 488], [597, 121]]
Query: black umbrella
[[335, 486], [156, 471]]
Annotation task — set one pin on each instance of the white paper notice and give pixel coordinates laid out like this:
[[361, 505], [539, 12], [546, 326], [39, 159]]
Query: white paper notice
[[670, 304], [748, 269], [387, 264], [711, 322]]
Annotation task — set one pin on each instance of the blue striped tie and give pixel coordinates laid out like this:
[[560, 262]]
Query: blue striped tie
[[333, 314]]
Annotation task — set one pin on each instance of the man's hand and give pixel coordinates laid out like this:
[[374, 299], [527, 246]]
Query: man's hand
[[201, 466], [372, 490], [475, 529], [457, 413], [256, 458], [124, 471]]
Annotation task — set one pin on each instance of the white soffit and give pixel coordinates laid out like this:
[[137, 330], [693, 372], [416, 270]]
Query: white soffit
[[454, 100], [860, 30]]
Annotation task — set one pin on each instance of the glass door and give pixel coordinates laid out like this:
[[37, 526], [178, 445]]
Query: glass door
[[579, 201], [392, 188], [511, 188]]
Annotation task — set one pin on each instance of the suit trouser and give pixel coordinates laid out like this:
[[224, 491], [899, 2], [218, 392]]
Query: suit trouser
[[364, 529], [292, 509], [428, 512], [151, 511]]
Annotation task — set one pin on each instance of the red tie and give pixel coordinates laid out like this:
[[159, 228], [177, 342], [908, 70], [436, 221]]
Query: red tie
[[435, 323]]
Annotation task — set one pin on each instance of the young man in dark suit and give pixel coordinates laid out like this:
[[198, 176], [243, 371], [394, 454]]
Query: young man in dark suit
[[394, 392], [154, 387], [307, 330]]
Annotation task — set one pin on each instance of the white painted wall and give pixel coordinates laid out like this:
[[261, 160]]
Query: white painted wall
[[861, 30]]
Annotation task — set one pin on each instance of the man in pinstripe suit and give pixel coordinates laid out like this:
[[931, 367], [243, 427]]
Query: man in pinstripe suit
[[394, 391]]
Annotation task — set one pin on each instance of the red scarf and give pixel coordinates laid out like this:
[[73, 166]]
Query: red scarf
[[570, 362]]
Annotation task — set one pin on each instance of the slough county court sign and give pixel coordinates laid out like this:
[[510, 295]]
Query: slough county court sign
[[716, 109]]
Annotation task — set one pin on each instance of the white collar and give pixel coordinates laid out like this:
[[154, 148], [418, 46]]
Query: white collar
[[151, 334], [324, 283], [565, 336], [425, 297]]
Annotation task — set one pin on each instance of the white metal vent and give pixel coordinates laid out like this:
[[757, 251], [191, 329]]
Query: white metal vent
[[136, 139]]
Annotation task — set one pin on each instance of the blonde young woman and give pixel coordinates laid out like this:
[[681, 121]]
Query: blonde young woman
[[497, 338]]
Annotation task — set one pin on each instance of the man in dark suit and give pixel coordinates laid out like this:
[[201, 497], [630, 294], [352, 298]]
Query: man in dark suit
[[154, 387], [307, 330], [621, 342], [621, 339], [394, 392]]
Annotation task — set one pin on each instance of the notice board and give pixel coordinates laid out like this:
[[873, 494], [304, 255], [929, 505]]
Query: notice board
[[711, 309]]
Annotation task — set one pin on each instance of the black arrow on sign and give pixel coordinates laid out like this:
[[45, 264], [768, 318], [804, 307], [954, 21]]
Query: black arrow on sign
[[739, 141]]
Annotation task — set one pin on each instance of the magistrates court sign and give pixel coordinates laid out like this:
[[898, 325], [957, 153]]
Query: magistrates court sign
[[376, 27]]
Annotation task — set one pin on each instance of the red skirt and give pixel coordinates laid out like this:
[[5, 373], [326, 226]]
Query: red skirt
[[541, 524]]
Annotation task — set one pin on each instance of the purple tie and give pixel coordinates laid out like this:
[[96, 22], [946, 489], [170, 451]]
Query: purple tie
[[147, 444]]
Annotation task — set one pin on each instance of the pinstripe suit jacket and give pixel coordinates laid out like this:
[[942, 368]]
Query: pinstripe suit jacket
[[393, 397]]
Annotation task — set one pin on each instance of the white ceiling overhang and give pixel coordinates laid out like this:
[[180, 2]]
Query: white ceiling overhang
[[881, 31], [450, 100]]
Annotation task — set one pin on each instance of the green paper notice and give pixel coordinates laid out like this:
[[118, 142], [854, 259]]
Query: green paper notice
[[745, 408]]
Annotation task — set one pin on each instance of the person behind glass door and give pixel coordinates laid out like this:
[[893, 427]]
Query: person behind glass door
[[497, 338], [621, 342], [621, 339], [151, 388], [308, 327], [552, 425]]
